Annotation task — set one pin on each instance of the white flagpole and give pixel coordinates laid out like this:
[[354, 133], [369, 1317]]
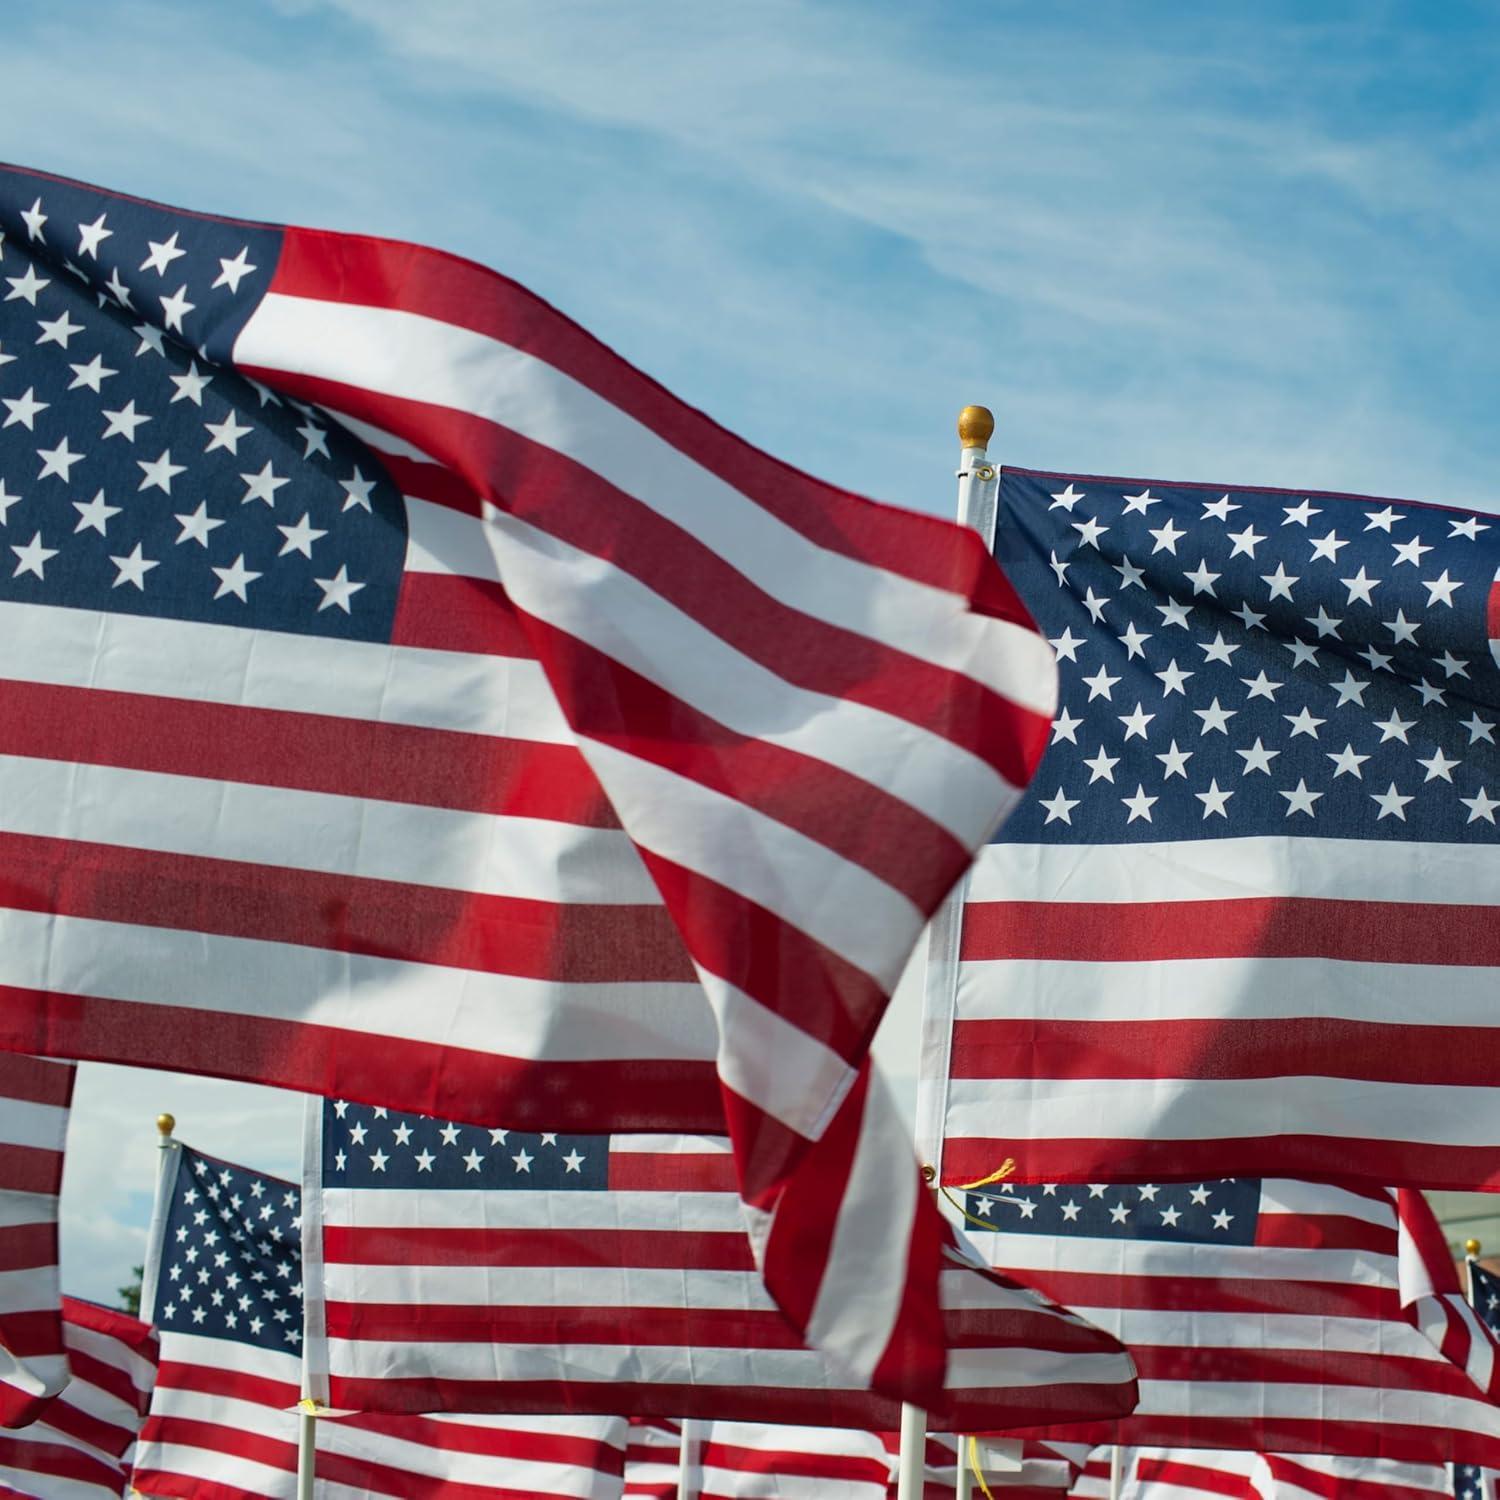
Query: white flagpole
[[963, 1485], [1116, 1471], [166, 1172], [911, 1465], [687, 1460]]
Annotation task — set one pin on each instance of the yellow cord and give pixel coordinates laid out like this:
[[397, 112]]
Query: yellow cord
[[1005, 1169], [978, 1472]]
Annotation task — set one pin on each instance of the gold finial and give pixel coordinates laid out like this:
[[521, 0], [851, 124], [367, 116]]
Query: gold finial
[[976, 426], [166, 1124], [1471, 1247]]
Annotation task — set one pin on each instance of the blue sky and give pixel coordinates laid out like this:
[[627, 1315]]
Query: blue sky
[[1253, 244]]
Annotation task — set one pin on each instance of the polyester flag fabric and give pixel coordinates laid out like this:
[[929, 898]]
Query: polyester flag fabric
[[1474, 1481], [35, 1096], [1244, 921], [224, 1285], [1047, 1470], [1263, 1316], [460, 1268], [274, 669], [78, 1449], [1194, 1473]]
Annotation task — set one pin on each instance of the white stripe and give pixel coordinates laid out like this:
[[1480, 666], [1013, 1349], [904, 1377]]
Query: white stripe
[[628, 1288], [416, 358], [1129, 1110], [1196, 989], [532, 858], [1280, 1195], [1026, 1369], [33, 1289], [672, 1145], [1227, 869], [138, 1368], [26, 1123], [18, 1209], [211, 1465], [354, 993], [401, 1208], [475, 694]]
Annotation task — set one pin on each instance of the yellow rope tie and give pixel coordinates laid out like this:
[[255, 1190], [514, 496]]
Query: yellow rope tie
[[1006, 1169], [978, 1471]]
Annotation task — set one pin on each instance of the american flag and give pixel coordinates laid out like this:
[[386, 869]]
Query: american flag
[[1191, 1473], [1047, 1471], [653, 1458], [281, 749], [35, 1096], [1244, 922], [223, 1284], [1263, 1316], [1473, 1481], [465, 1268], [79, 1448]]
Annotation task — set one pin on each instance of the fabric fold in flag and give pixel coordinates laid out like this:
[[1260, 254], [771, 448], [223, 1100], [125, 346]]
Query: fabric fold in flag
[[489, 687]]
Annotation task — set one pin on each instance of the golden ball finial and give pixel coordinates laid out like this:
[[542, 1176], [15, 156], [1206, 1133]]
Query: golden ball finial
[[1471, 1247], [166, 1124], [976, 426]]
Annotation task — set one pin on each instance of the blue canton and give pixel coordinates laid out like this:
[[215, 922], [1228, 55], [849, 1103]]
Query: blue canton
[[1246, 663], [1186, 1213], [231, 1258], [368, 1146], [140, 474]]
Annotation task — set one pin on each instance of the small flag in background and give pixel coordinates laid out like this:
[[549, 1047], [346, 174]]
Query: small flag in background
[[35, 1096], [224, 1286], [1471, 1481], [478, 1269], [1269, 818], [79, 1449]]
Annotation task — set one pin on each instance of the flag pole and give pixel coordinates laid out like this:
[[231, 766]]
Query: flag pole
[[910, 1466], [968, 1461], [687, 1459], [1116, 1471], [307, 1449], [1471, 1254]]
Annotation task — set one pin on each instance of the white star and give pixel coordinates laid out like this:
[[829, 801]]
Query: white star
[[226, 434], [1167, 536], [6, 501], [523, 1160], [472, 1160], [1070, 1211], [1217, 649], [160, 472], [175, 308], [1359, 587], [573, 1161], [1438, 767], [1301, 800], [1173, 613], [133, 569], [357, 491], [1119, 1213], [117, 289], [1429, 692], [1479, 729], [1393, 728], [1133, 640], [1378, 660], [231, 272], [91, 375], [262, 486], [1059, 568], [1222, 1219], [1451, 665], [1257, 758], [162, 255], [1174, 762], [1350, 690], [1139, 504], [1148, 1192], [1094, 604], [26, 285], [1391, 803], [1059, 809], [1381, 520], [1303, 654], [314, 438], [123, 423], [1402, 630], [1140, 805], [1066, 645], [33, 557], [150, 340], [402, 1133], [1219, 509], [1089, 531], [234, 579], [58, 461], [94, 515], [1170, 1216], [1469, 528], [10, 359], [498, 1137], [1261, 686], [34, 218], [1300, 514], [1200, 1195], [1172, 678], [1130, 574], [1440, 589], [1215, 718], [337, 591], [1245, 542], [424, 1161], [449, 1134], [24, 408], [1482, 806], [1409, 552], [1280, 582], [58, 330], [1065, 726], [1135, 724], [1202, 580], [1327, 547], [1099, 684], [1213, 800], [1324, 623], [197, 525], [1347, 762], [91, 236], [378, 1159], [1102, 765], [1303, 723], [190, 386], [299, 538], [357, 1135]]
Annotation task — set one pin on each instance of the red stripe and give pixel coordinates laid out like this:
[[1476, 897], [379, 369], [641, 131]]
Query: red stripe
[[382, 273], [425, 1077], [1323, 1232], [1492, 615], [1229, 1047], [1426, 1234], [26, 1247], [211, 1380], [158, 1482], [366, 1478], [1373, 932], [434, 1246], [37, 1080], [672, 1172], [308, 752], [436, 612], [568, 943], [217, 1437], [1342, 1487], [31, 1169], [1191, 1476], [1310, 1367], [1108, 1159], [778, 1460], [596, 1454], [57, 1461]]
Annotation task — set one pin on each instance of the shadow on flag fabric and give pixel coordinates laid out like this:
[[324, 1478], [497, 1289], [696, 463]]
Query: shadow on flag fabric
[[1263, 1316], [455, 1267], [345, 575], [1244, 921], [223, 1284], [35, 1097]]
